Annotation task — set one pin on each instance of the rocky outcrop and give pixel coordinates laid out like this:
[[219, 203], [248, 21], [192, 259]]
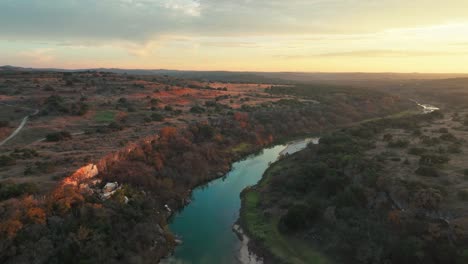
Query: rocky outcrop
[[109, 189], [83, 174]]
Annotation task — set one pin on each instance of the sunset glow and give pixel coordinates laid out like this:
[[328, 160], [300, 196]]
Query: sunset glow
[[297, 35]]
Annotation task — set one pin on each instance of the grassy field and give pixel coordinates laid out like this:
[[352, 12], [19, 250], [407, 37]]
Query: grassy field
[[265, 231], [395, 116], [105, 116], [241, 148]]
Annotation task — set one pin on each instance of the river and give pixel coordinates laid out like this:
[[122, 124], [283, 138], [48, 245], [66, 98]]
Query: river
[[205, 225], [427, 108]]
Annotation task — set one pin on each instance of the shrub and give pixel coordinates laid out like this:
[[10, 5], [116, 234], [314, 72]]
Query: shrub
[[387, 137], [448, 137], [24, 153], [427, 171], [417, 151], [45, 167], [114, 126], [48, 88], [79, 109], [122, 101], [28, 171], [4, 123], [222, 97], [430, 159], [157, 117], [197, 109], [210, 104], [416, 132], [154, 101], [398, 144], [430, 141], [443, 130], [463, 195], [7, 161], [58, 136], [10, 190], [454, 148], [55, 103]]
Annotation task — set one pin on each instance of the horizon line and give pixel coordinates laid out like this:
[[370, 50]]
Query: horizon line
[[234, 71]]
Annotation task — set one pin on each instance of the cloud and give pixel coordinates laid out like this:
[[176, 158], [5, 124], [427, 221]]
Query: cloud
[[231, 34], [230, 44], [142, 50], [388, 53], [144, 20], [374, 54], [191, 8], [37, 56], [93, 21], [462, 44]]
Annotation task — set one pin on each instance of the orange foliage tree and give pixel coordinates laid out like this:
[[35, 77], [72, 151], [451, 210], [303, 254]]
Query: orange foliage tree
[[242, 118], [167, 133]]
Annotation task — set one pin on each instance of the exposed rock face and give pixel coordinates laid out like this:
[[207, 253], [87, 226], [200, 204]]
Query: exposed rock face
[[109, 189], [110, 186], [84, 173]]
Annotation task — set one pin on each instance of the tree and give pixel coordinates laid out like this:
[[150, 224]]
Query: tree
[[167, 133], [64, 198], [295, 218]]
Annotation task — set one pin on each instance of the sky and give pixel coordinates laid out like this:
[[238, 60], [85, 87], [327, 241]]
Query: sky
[[237, 35]]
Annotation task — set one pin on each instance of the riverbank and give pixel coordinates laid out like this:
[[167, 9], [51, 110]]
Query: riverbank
[[265, 240], [246, 255]]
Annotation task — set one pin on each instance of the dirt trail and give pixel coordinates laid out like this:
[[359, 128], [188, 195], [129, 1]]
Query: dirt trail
[[21, 126]]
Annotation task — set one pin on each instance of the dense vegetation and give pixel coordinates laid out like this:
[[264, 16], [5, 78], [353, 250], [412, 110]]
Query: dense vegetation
[[333, 198], [71, 225]]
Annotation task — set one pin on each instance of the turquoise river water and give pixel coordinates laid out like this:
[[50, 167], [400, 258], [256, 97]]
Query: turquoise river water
[[205, 225]]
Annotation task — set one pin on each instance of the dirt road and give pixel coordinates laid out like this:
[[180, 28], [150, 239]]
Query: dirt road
[[20, 127]]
